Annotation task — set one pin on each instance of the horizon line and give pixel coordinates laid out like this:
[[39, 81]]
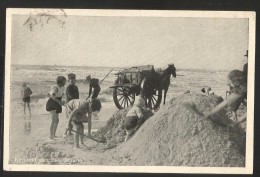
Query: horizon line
[[112, 66]]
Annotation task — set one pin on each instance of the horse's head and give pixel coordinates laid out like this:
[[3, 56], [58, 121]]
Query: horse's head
[[172, 70]]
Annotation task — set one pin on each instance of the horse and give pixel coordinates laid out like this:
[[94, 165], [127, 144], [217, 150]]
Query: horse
[[164, 79], [157, 80]]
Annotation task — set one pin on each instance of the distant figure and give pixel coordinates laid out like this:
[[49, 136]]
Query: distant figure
[[245, 68], [207, 91], [80, 111], [93, 83], [245, 65], [54, 104], [238, 89], [134, 117], [25, 93], [72, 92], [188, 92]]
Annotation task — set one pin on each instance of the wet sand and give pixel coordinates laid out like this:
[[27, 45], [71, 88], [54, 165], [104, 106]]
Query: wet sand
[[27, 130]]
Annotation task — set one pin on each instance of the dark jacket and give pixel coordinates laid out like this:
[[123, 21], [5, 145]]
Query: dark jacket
[[72, 92]]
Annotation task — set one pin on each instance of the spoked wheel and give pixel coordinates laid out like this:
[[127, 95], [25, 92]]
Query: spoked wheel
[[153, 100], [152, 96], [123, 97]]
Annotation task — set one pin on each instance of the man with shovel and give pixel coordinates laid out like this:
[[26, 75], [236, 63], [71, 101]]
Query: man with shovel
[[237, 82], [80, 111], [95, 85]]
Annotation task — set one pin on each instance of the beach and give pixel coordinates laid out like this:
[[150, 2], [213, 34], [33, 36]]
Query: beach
[[30, 133]]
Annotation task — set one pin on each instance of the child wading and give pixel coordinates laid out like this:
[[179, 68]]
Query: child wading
[[72, 92], [54, 105], [134, 117], [93, 83], [80, 111], [26, 92]]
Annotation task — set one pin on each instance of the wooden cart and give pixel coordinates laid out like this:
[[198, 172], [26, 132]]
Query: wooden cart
[[134, 81]]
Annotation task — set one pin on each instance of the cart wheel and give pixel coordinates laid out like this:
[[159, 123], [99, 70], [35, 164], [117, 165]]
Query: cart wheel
[[152, 97], [153, 101], [122, 97]]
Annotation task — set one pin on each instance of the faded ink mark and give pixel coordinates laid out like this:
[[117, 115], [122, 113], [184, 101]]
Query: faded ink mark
[[44, 17]]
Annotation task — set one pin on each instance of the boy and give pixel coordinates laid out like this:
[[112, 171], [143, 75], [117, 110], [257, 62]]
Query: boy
[[72, 92], [93, 83], [80, 111], [237, 82], [134, 117], [54, 104], [26, 92]]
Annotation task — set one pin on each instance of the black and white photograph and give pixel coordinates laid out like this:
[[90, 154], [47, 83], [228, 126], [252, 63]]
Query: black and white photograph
[[129, 91]]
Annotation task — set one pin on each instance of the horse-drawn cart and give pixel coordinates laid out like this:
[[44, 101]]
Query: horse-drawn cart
[[134, 81]]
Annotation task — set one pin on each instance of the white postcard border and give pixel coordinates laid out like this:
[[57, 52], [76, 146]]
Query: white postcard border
[[248, 169]]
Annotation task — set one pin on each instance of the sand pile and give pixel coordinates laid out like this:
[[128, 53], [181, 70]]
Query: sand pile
[[114, 131], [175, 136]]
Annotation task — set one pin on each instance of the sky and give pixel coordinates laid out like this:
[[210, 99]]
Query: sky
[[189, 43]]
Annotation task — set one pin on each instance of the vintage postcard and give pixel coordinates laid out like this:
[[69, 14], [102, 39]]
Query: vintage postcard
[[129, 91]]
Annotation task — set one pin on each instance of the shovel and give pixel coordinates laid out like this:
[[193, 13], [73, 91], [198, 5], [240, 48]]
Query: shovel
[[99, 141]]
